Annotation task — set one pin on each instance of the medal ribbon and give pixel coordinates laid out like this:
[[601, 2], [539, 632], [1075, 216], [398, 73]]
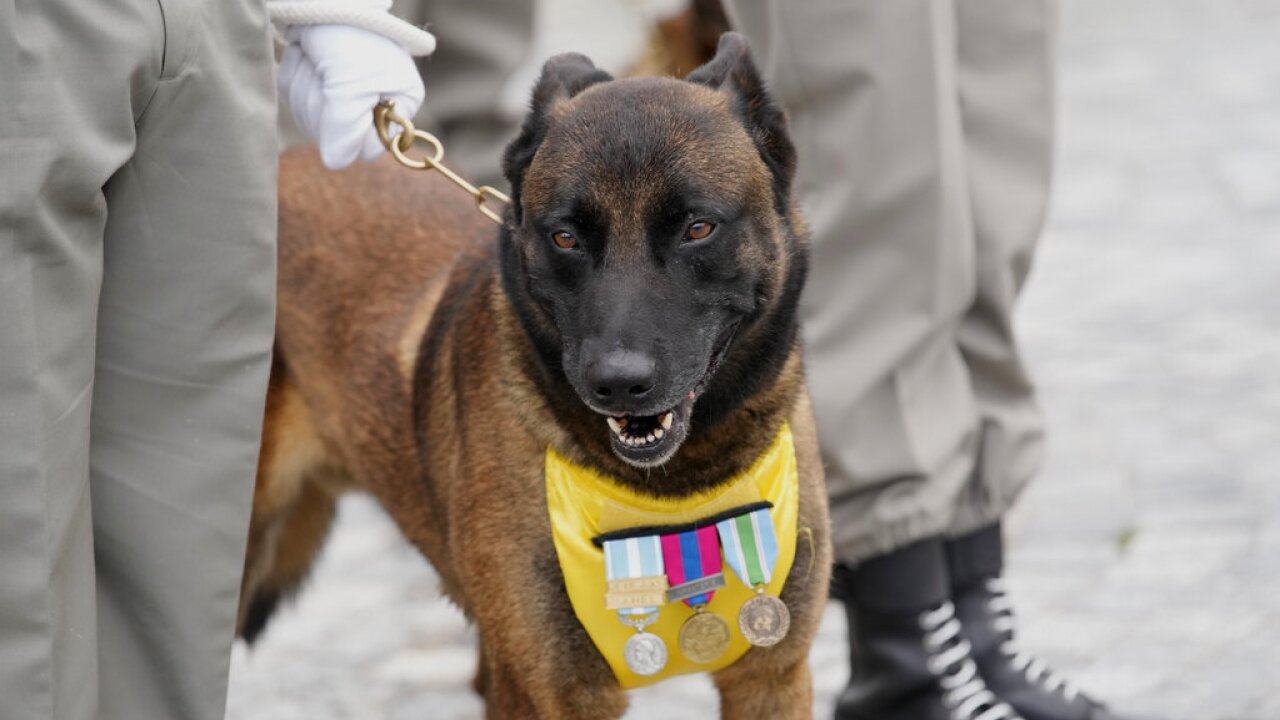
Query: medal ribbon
[[750, 546], [690, 556], [635, 558]]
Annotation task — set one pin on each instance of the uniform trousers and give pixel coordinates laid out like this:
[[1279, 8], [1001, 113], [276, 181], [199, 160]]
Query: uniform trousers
[[924, 134], [137, 291]]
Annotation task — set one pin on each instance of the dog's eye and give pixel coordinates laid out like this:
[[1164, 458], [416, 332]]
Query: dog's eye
[[564, 240], [699, 230]]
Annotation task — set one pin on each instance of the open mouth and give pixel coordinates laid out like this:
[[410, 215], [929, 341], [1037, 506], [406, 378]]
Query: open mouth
[[641, 430], [650, 440]]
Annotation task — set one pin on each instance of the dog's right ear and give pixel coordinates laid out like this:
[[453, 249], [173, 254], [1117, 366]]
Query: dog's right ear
[[563, 77], [733, 72]]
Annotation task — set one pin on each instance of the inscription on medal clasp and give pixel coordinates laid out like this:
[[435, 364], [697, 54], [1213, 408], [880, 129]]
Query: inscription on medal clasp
[[693, 588], [625, 593]]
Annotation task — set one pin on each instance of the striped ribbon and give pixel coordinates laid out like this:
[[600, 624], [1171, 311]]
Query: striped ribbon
[[750, 546], [635, 557], [690, 556]]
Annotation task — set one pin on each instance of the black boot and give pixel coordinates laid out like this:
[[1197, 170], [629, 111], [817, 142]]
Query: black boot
[[975, 562], [908, 659]]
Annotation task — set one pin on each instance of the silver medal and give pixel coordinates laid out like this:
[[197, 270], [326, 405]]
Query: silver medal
[[645, 653]]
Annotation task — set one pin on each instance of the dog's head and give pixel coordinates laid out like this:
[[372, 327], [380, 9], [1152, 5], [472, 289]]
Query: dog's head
[[651, 241]]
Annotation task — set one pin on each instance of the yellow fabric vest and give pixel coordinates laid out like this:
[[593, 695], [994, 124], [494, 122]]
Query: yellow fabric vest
[[584, 504]]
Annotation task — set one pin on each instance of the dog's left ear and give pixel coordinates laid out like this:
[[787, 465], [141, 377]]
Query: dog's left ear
[[733, 72], [563, 77]]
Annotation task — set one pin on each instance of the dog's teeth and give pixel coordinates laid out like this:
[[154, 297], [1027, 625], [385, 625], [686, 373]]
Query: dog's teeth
[[649, 439], [658, 433], [666, 420], [615, 424]]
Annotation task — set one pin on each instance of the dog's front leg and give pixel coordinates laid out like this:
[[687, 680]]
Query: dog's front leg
[[766, 689], [775, 682], [546, 685], [538, 661], [505, 696]]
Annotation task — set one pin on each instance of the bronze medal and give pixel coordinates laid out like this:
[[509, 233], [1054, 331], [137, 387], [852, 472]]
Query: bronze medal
[[764, 620], [703, 637]]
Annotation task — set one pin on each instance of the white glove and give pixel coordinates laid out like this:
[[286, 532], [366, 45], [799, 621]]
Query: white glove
[[334, 75]]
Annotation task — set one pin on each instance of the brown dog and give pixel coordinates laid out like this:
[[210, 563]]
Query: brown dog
[[646, 277]]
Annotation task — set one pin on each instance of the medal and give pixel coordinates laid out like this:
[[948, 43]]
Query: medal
[[636, 589], [751, 549], [703, 637], [692, 563], [645, 653], [764, 620]]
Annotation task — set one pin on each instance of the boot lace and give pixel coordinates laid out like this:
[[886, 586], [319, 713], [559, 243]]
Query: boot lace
[[964, 693], [1036, 671]]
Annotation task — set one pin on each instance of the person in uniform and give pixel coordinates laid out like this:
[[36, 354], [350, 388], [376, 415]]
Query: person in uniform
[[924, 130], [137, 283]]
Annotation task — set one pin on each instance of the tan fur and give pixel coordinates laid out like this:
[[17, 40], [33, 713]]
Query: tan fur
[[411, 338], [402, 369]]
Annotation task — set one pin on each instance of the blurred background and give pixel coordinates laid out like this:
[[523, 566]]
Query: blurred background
[[1145, 562]]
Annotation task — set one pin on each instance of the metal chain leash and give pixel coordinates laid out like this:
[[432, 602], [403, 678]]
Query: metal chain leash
[[385, 114]]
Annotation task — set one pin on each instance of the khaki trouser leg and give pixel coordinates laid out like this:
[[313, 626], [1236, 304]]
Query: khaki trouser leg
[[1006, 60], [75, 77], [873, 91], [136, 286], [184, 341]]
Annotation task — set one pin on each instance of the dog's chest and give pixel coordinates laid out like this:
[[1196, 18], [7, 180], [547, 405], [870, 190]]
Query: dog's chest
[[587, 509]]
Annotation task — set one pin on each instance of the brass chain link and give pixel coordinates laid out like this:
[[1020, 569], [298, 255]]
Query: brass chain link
[[385, 114]]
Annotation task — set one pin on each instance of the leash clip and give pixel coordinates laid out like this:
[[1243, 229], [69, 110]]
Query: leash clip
[[385, 114]]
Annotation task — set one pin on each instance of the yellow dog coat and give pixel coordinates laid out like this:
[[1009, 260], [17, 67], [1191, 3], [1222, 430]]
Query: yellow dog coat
[[584, 504]]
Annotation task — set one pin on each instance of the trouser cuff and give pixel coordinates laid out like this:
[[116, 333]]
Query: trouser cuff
[[975, 555], [911, 578]]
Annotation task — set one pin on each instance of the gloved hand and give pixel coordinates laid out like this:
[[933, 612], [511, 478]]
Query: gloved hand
[[334, 75]]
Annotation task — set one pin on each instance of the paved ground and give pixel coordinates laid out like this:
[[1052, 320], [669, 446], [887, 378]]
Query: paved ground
[[1146, 562]]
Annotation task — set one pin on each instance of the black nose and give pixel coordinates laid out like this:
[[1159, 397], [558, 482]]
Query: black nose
[[622, 375]]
